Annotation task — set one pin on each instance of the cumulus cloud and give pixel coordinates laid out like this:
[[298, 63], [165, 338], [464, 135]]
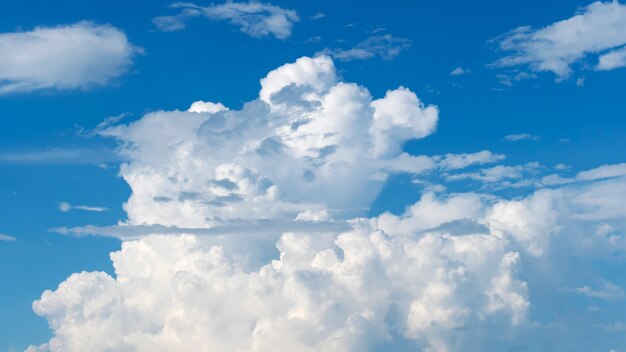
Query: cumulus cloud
[[598, 30], [386, 47], [256, 19], [81, 55], [390, 282], [308, 142], [245, 232]]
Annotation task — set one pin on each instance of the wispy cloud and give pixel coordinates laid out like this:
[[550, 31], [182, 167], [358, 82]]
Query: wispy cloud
[[253, 18], [7, 238], [496, 173], [386, 47], [605, 291], [521, 137], [68, 155], [459, 71], [598, 30], [258, 227], [80, 55], [317, 16], [65, 207]]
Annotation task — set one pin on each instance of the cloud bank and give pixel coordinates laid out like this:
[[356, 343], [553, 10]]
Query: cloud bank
[[77, 56], [246, 232]]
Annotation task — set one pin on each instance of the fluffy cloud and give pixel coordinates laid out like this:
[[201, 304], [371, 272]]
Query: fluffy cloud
[[390, 282], [309, 142], [354, 291], [599, 29], [242, 236], [385, 46], [253, 18], [80, 55]]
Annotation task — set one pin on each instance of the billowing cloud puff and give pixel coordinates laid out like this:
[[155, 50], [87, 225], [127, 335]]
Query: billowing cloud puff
[[453, 272], [80, 55], [412, 281], [354, 291], [309, 142]]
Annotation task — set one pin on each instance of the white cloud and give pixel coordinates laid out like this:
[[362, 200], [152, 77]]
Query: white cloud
[[390, 282], [596, 29], [601, 172], [81, 55], [604, 171], [387, 47], [606, 291], [308, 142], [521, 137], [242, 235], [253, 18], [202, 106], [459, 161], [612, 60], [459, 71], [7, 238], [65, 207], [496, 173], [66, 155], [352, 291], [318, 16]]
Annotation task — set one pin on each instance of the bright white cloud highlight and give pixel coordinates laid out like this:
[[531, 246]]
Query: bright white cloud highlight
[[256, 19], [309, 142], [596, 29], [81, 55]]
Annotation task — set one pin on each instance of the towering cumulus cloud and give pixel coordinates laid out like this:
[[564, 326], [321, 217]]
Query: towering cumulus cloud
[[453, 272]]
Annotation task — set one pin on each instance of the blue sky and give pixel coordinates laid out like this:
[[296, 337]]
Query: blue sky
[[547, 109]]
